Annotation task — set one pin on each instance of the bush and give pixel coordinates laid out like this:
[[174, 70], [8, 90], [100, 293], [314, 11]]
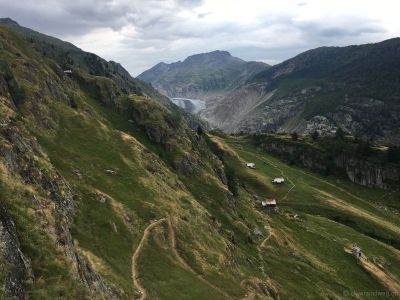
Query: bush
[[315, 135], [340, 134], [393, 154], [200, 130], [232, 180], [295, 136], [364, 148]]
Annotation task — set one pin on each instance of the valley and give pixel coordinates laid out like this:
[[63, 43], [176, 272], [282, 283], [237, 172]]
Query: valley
[[321, 90], [110, 191], [306, 239]]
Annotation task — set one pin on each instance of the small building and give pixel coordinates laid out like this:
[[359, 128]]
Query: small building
[[268, 203], [278, 180], [111, 172], [67, 71], [251, 165], [356, 251]]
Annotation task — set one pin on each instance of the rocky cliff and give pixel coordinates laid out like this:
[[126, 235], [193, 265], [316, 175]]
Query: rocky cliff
[[23, 161], [16, 268], [373, 173]]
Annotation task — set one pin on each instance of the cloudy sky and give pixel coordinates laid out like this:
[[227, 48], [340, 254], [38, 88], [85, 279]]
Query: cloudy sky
[[141, 33]]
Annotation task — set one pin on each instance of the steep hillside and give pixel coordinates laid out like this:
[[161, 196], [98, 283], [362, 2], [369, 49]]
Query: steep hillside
[[70, 57], [355, 87], [206, 76], [106, 193]]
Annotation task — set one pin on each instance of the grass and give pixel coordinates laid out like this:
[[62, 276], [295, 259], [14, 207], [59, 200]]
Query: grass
[[324, 231], [52, 277], [90, 145], [298, 257], [219, 232], [87, 145], [177, 283]]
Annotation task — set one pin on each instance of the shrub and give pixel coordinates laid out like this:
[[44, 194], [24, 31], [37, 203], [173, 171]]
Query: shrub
[[200, 130], [315, 135], [393, 154], [295, 136], [340, 134], [232, 180], [364, 148]]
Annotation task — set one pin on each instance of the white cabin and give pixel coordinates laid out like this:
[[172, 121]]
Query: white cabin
[[268, 203], [356, 251], [278, 180], [251, 165]]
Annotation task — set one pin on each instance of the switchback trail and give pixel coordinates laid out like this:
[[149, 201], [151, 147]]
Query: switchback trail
[[135, 273], [185, 265], [270, 233]]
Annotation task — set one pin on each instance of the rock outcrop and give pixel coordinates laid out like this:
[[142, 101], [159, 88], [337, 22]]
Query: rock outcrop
[[384, 176], [359, 170], [17, 265], [23, 157]]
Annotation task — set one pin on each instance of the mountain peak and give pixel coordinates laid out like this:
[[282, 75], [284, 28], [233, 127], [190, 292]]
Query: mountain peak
[[201, 75], [213, 55], [8, 21], [220, 53]]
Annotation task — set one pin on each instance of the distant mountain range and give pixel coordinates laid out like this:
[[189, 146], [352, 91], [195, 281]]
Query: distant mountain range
[[206, 76], [356, 88]]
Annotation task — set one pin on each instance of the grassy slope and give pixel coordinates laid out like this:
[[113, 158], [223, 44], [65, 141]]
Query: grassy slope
[[213, 230], [319, 238], [177, 283], [52, 277], [297, 258], [110, 231], [87, 141], [92, 148]]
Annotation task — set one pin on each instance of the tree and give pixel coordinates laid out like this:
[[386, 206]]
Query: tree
[[357, 138], [340, 133], [364, 148], [295, 136], [232, 180], [200, 130], [393, 154], [315, 135]]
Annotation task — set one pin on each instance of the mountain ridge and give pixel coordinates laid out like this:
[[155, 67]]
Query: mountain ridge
[[69, 56], [206, 76], [353, 87], [108, 193]]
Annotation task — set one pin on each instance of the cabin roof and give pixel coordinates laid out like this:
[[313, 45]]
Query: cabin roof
[[268, 202]]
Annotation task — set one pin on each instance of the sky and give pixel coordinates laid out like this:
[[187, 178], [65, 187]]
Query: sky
[[140, 34]]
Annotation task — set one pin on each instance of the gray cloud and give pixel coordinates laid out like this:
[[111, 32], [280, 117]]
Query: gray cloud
[[347, 29], [139, 34], [65, 17], [60, 17]]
